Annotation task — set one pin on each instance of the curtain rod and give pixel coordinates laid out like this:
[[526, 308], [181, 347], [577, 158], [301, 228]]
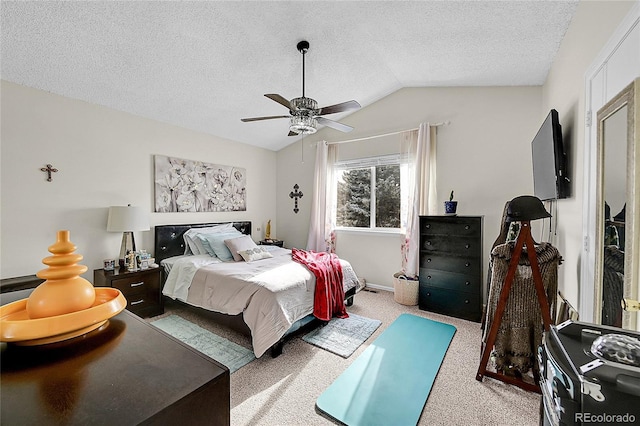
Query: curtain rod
[[444, 123]]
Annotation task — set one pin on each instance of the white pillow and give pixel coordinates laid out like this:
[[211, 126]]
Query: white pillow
[[238, 244], [214, 243], [256, 253], [193, 245]]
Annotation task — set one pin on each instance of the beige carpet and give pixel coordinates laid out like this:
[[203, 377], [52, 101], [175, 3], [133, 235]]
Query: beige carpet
[[283, 390]]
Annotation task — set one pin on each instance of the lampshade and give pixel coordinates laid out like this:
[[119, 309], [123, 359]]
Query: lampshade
[[127, 218]]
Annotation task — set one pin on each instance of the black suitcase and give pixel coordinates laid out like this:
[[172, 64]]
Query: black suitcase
[[581, 388]]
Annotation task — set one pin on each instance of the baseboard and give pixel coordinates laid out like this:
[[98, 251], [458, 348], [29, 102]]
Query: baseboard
[[373, 286]]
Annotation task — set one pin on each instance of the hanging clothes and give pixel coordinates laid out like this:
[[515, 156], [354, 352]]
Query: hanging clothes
[[520, 331], [612, 286]]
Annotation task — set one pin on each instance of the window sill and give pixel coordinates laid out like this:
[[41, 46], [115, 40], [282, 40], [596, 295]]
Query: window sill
[[369, 231]]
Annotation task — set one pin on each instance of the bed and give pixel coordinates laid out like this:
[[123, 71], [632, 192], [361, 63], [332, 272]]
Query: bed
[[266, 299]]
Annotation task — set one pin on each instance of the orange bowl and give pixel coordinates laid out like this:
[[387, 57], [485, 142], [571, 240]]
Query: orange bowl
[[16, 326]]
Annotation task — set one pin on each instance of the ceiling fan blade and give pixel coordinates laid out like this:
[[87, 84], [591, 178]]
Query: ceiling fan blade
[[292, 133], [334, 124], [281, 100], [263, 118], [344, 106]]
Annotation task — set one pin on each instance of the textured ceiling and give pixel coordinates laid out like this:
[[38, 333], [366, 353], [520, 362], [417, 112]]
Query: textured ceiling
[[205, 65]]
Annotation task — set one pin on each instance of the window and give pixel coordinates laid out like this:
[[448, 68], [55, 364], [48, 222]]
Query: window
[[370, 192]]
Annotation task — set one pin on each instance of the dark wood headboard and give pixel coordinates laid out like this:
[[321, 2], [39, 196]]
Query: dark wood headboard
[[169, 239]]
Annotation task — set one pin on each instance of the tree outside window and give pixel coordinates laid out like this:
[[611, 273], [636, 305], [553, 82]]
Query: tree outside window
[[369, 197], [388, 196]]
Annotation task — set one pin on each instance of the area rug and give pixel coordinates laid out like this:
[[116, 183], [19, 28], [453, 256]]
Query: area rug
[[343, 336], [389, 383], [222, 350]]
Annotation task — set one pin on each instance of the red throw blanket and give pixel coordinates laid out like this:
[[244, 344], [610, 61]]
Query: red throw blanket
[[329, 296]]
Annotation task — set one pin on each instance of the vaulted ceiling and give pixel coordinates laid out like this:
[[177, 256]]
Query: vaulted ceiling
[[205, 65]]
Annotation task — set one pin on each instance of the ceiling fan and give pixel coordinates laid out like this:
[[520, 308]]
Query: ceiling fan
[[304, 113]]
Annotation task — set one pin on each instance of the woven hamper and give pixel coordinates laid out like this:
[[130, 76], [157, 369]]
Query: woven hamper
[[405, 291]]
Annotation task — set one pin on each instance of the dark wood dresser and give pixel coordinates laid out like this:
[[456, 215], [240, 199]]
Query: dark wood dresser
[[126, 373], [451, 266], [142, 288], [19, 283]]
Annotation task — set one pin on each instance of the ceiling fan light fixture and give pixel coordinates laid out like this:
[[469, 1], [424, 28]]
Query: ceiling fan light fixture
[[304, 104], [303, 124], [304, 112]]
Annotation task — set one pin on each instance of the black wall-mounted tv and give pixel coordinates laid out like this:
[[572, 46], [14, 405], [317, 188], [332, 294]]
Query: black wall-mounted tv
[[550, 181]]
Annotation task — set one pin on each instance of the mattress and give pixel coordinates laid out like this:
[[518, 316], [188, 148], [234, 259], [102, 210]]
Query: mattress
[[271, 294]]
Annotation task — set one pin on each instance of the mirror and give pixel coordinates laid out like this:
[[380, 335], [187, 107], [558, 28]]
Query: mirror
[[617, 198]]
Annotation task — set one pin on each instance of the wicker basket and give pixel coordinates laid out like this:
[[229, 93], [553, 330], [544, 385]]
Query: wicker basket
[[405, 291]]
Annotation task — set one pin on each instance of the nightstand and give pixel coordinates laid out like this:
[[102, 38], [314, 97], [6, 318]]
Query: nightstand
[[278, 243], [141, 288]]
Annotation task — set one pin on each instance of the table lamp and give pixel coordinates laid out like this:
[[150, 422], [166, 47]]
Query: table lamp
[[127, 219]]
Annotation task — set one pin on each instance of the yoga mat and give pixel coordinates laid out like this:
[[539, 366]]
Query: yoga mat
[[389, 383]]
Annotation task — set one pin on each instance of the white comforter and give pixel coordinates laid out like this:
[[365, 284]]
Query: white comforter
[[271, 293]]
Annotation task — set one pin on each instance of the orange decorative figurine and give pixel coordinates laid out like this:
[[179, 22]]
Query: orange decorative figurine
[[64, 290]]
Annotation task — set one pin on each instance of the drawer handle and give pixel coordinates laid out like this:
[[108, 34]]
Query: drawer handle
[[466, 302], [429, 260], [467, 246], [428, 226], [467, 283], [428, 243], [137, 302], [428, 277], [467, 264], [137, 284], [428, 294]]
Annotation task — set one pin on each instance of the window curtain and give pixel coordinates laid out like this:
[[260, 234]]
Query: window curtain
[[322, 225], [420, 148]]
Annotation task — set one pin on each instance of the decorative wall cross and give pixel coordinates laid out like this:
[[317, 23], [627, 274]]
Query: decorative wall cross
[[49, 169], [295, 194]]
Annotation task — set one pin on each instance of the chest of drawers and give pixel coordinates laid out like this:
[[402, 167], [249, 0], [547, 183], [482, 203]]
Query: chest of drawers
[[142, 289], [451, 266]]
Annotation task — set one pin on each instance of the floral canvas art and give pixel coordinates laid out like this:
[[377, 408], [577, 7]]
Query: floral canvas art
[[194, 186]]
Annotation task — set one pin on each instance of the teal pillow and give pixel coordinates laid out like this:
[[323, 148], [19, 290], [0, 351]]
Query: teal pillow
[[215, 246]]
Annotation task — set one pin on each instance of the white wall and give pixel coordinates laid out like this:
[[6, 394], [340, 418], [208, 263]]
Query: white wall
[[104, 158], [591, 27], [484, 155]]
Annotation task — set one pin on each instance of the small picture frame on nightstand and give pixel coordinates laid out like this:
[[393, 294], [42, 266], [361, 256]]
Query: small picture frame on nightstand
[[109, 264]]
